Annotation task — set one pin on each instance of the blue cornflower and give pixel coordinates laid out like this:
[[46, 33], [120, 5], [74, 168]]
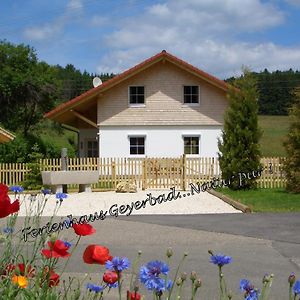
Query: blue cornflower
[[113, 285], [118, 264], [67, 244], [149, 275], [7, 230], [250, 292], [61, 196], [94, 288], [46, 192], [220, 259], [16, 189], [296, 288]]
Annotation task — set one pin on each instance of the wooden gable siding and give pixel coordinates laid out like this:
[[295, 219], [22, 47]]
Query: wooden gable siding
[[163, 100]]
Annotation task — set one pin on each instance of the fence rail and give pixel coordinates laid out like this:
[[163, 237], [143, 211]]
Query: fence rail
[[146, 172]]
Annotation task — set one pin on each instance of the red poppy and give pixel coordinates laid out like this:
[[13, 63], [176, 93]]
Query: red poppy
[[6, 207], [133, 296], [95, 254], [8, 269], [57, 249], [51, 277], [28, 272], [83, 229], [110, 277]]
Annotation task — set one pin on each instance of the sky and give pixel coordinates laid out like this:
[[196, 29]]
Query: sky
[[99, 36]]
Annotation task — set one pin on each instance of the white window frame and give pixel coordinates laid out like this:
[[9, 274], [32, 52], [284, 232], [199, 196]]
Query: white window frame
[[136, 104], [191, 104], [199, 143], [145, 144]]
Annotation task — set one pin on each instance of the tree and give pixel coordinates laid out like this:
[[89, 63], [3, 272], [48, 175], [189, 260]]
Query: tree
[[292, 146], [28, 88], [239, 146]]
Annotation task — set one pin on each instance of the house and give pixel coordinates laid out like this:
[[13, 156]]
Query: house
[[162, 107], [5, 136]]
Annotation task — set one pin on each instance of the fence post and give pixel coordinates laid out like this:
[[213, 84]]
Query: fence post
[[144, 178], [183, 173], [113, 174]]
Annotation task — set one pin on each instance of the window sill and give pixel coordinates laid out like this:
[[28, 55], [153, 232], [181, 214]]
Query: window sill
[[137, 105]]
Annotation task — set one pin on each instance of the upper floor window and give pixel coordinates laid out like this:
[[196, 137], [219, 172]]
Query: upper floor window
[[191, 94], [136, 95]]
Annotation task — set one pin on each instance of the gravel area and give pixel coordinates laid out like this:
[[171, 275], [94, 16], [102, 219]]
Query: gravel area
[[79, 204]]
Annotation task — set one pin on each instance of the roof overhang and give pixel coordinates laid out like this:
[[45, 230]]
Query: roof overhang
[[5, 136]]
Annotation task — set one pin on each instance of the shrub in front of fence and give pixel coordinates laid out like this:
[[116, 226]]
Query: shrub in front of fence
[[36, 269]]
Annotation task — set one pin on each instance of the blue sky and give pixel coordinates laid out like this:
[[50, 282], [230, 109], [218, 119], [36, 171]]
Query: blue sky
[[218, 36]]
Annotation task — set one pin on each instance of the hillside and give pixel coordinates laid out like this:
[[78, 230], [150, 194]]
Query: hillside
[[274, 129]]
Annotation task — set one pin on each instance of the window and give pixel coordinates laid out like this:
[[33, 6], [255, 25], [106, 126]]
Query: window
[[137, 145], [191, 145], [92, 148], [191, 94], [136, 95]]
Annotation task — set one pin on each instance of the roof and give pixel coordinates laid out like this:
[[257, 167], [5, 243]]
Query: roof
[[164, 55], [5, 136]]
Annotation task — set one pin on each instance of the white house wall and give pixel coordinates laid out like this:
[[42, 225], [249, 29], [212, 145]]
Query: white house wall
[[161, 141]]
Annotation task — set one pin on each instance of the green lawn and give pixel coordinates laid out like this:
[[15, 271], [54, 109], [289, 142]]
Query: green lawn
[[266, 200], [274, 129]]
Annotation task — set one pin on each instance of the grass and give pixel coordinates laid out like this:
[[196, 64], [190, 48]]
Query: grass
[[265, 200], [274, 129]]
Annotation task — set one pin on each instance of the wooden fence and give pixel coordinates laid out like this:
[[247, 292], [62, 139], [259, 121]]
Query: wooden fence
[[146, 172]]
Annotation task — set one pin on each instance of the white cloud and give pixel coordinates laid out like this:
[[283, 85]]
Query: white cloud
[[99, 20], [293, 2], [42, 32], [74, 4], [47, 31], [206, 33]]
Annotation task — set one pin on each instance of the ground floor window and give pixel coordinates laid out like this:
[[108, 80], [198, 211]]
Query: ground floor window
[[92, 149], [137, 145], [191, 144]]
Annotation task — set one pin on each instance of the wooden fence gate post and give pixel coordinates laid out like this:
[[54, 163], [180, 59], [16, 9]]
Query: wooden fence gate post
[[144, 174], [113, 174], [183, 173]]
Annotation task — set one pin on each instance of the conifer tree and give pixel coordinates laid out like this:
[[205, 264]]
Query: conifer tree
[[239, 150], [292, 146]]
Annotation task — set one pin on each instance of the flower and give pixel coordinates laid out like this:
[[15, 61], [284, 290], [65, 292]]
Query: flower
[[84, 229], [94, 288], [61, 196], [118, 264], [133, 296], [50, 277], [21, 281], [110, 277], [53, 279], [149, 275], [57, 249], [96, 254], [220, 259], [7, 230], [16, 189], [46, 192], [250, 292], [25, 270], [113, 285], [67, 244], [6, 207], [296, 288]]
